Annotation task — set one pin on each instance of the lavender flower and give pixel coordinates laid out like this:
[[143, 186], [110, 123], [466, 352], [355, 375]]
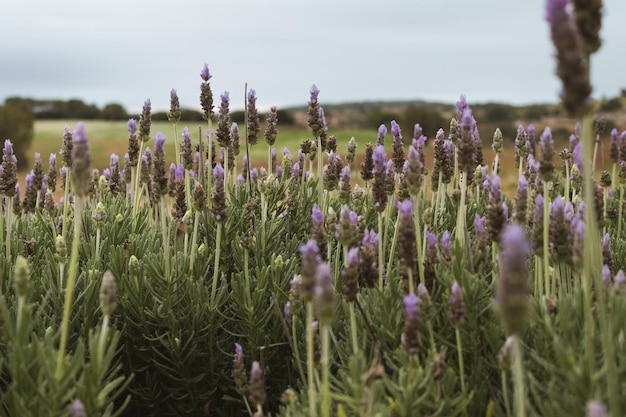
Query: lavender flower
[[588, 15], [351, 275], [445, 246], [253, 118], [406, 244], [521, 200], [457, 306], [219, 195], [346, 229], [352, 145], [115, 181], [430, 259], [537, 230], [66, 150], [174, 114], [380, 177], [239, 371], [159, 172], [466, 144], [271, 131], [256, 386], [382, 132], [596, 409], [410, 336], [614, 153], [310, 255], [414, 171], [572, 65], [606, 276], [314, 121], [145, 121], [345, 189], [367, 166], [324, 294], [495, 212], [81, 160], [546, 169], [512, 285], [206, 95], [223, 121], [8, 175], [77, 409], [234, 141], [398, 146], [368, 271]]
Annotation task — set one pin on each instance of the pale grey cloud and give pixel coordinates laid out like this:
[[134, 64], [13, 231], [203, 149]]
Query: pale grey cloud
[[127, 51]]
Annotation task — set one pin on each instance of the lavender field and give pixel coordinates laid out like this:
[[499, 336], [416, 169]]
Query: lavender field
[[336, 278]]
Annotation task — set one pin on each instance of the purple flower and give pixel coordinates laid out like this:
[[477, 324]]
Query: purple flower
[[295, 170], [572, 66], [495, 192], [314, 93], [218, 172], [577, 156], [77, 409], [411, 310], [405, 211], [445, 245], [417, 131], [380, 159], [370, 238], [317, 217], [324, 294], [256, 386], [430, 251], [132, 126], [204, 74], [81, 160], [596, 409], [461, 105], [481, 231], [180, 172], [457, 306], [382, 132], [620, 278], [606, 276]]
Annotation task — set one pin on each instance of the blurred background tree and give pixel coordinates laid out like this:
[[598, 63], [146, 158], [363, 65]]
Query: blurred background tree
[[17, 125]]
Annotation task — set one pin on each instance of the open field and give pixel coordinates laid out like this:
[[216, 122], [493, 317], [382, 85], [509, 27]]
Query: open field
[[106, 137]]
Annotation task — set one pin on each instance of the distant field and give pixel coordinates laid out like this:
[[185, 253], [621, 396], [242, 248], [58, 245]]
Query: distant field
[[106, 137]]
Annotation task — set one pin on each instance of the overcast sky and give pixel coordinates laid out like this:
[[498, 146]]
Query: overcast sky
[[104, 51]]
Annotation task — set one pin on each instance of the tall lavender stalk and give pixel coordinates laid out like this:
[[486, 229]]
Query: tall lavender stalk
[[575, 37], [81, 162]]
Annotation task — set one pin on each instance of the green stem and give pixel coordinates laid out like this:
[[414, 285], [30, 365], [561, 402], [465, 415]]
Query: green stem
[[381, 255], [69, 293], [102, 339], [320, 179], [460, 218], [9, 214], [246, 262], [216, 265], [166, 238], [194, 239], [589, 259], [546, 239], [353, 328], [309, 360], [296, 350], [325, 362], [519, 399], [505, 393], [459, 349], [176, 148], [593, 266]]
